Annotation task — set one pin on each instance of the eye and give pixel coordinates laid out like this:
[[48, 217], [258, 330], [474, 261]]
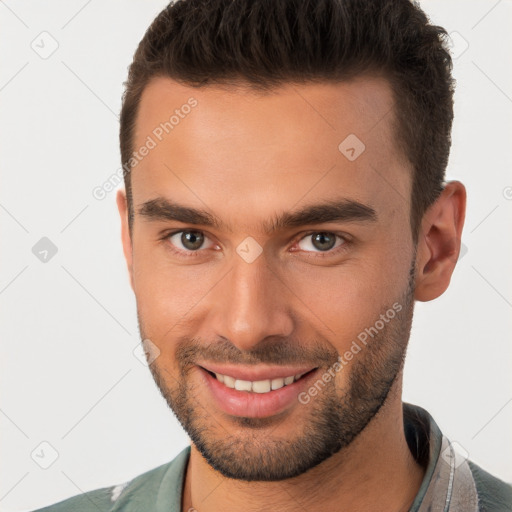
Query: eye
[[188, 241], [321, 241]]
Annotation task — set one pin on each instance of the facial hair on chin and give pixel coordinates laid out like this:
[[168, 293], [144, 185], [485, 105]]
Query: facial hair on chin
[[330, 422]]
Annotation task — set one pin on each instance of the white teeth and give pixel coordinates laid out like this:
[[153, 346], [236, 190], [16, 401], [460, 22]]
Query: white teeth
[[243, 385], [258, 386], [277, 383], [261, 386], [229, 381]]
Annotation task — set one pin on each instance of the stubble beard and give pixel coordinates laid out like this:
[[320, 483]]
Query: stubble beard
[[246, 450]]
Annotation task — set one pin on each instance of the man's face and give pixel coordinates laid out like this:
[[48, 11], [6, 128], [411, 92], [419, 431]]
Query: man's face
[[262, 294]]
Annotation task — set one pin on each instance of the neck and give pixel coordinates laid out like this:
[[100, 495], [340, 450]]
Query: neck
[[376, 472]]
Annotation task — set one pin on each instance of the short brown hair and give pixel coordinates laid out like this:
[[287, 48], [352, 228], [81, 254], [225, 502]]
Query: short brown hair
[[266, 43]]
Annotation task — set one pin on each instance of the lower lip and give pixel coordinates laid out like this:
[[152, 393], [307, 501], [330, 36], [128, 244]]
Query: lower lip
[[255, 405]]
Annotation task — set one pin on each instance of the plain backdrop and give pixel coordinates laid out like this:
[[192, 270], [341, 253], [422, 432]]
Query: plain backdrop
[[70, 377]]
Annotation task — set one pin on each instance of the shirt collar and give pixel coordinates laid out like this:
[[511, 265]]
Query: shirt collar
[[448, 484]]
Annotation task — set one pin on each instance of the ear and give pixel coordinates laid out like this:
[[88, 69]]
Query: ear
[[439, 242], [122, 206]]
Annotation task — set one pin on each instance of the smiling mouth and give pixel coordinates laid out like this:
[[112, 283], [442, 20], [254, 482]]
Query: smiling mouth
[[257, 386]]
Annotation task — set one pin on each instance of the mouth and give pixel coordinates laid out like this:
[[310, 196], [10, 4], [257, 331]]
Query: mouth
[[257, 386], [254, 396]]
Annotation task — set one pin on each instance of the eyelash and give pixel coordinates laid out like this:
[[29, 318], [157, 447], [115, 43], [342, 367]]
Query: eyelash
[[191, 254]]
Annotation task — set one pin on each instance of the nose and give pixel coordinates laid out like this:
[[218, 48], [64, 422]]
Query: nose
[[250, 304]]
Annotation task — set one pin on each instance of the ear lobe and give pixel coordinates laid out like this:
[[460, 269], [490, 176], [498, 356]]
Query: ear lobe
[[122, 206], [439, 242]]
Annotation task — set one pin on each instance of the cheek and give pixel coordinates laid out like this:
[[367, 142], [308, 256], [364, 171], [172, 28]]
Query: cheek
[[167, 294], [342, 301], [341, 298], [338, 302]]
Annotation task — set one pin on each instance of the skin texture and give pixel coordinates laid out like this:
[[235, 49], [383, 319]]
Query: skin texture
[[246, 158]]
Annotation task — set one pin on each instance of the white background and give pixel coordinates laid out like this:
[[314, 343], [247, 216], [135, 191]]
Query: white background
[[68, 327]]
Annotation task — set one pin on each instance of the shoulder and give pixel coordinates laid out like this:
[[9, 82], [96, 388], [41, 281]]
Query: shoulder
[[92, 501], [494, 495], [141, 489]]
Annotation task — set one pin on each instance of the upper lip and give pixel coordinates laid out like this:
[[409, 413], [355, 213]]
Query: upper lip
[[254, 373]]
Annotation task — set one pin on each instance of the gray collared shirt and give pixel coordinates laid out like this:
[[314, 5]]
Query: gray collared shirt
[[451, 483]]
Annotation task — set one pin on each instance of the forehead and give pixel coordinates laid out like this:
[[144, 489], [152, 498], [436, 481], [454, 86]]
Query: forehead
[[230, 148]]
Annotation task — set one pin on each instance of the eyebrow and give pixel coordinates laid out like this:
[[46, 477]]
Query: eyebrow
[[344, 210]]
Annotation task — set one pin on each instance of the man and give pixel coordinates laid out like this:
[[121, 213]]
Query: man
[[285, 206]]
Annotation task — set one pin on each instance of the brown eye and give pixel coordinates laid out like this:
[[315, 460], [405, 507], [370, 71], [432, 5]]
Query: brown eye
[[192, 240], [188, 240], [321, 241]]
